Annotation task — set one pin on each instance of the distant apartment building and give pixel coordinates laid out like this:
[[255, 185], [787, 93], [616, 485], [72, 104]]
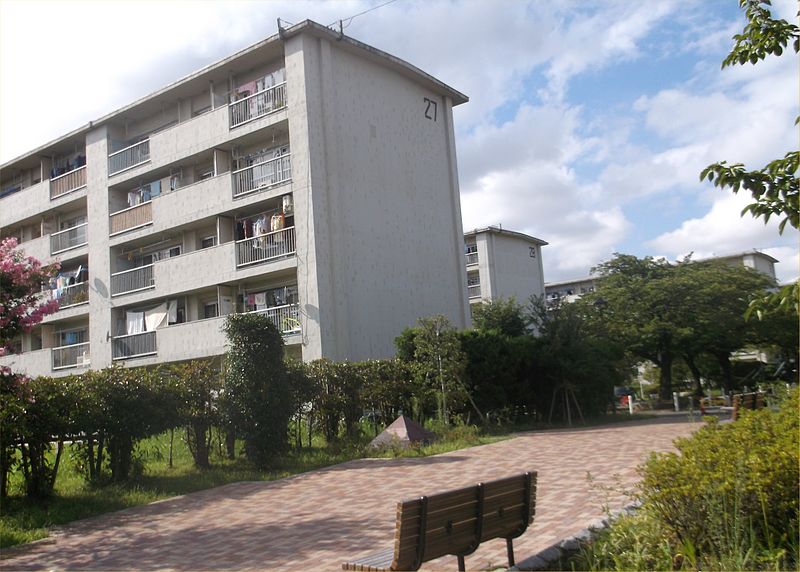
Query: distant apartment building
[[503, 264], [309, 177], [571, 290]]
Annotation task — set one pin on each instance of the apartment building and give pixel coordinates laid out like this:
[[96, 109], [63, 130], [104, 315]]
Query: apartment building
[[309, 177], [571, 290], [502, 264]]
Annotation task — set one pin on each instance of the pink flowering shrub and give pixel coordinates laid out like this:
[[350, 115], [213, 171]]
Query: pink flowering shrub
[[21, 280]]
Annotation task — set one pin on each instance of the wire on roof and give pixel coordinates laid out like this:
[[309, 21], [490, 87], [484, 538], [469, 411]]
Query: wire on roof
[[349, 20]]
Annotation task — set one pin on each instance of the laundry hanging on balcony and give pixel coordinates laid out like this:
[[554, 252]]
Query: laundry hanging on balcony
[[155, 317], [134, 323]]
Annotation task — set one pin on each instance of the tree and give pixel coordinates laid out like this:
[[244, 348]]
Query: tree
[[714, 311], [21, 280], [257, 396], [774, 188], [198, 383], [504, 316], [639, 306], [437, 362]]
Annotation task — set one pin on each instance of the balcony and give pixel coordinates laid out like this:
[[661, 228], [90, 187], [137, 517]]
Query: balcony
[[129, 157], [257, 105], [73, 295], [276, 244], [286, 318], [262, 175], [474, 291], [132, 280], [130, 218], [68, 182], [472, 258], [76, 355], [68, 239], [134, 345]]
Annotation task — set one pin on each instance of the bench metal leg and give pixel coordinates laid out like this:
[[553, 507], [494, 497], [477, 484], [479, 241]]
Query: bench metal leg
[[461, 566], [510, 548]]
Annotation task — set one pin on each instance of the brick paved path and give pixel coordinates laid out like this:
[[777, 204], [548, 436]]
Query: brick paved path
[[318, 519]]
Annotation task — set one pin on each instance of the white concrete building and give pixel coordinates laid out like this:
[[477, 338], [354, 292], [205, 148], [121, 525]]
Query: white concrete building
[[309, 177], [503, 264]]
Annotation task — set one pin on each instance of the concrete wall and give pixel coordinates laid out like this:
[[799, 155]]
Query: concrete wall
[[515, 267], [384, 239]]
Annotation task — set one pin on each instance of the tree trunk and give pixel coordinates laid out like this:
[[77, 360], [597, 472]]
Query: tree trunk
[[665, 376], [698, 387], [230, 444], [724, 359]]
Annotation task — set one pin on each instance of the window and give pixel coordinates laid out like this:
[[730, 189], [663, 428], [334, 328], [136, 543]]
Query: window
[[208, 242], [210, 310]]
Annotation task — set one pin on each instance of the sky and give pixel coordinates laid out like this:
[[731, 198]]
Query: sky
[[588, 123]]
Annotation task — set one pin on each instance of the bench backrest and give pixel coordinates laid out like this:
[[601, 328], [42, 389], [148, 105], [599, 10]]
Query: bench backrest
[[456, 522]]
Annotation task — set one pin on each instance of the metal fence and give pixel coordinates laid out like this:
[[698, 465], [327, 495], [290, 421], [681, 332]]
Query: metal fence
[[74, 295], [69, 238], [71, 356], [265, 247], [132, 280], [254, 177], [474, 291], [287, 317], [134, 345], [257, 105], [472, 258], [129, 157]]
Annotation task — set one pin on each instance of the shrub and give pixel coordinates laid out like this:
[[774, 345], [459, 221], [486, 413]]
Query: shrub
[[257, 396], [733, 487]]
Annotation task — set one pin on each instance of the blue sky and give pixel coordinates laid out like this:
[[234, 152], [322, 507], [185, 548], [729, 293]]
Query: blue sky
[[587, 126]]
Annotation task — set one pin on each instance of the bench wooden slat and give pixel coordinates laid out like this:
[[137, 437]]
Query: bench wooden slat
[[456, 522]]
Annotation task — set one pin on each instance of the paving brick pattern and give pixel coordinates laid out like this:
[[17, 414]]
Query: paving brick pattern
[[316, 520]]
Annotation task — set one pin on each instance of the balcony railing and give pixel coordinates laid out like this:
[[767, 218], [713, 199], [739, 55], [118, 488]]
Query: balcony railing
[[474, 291], [140, 278], [472, 258], [68, 182], [287, 317], [134, 345], [69, 238], [268, 246], [129, 157], [73, 295], [271, 172], [130, 218], [257, 105], [76, 355]]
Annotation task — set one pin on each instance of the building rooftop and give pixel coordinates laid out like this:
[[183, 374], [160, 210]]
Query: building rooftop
[[498, 230], [219, 73]]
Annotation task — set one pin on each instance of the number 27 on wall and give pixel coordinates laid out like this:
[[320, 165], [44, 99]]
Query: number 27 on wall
[[430, 109]]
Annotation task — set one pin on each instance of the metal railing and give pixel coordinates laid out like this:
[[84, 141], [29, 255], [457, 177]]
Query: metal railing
[[130, 218], [287, 317], [254, 177], [73, 295], [132, 280], [129, 157], [69, 238], [71, 356], [68, 182], [257, 105], [265, 247], [134, 345], [472, 258], [474, 291]]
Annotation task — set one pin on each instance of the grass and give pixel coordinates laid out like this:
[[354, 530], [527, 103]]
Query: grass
[[23, 520]]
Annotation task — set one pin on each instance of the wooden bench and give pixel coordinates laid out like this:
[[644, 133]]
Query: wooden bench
[[750, 401], [456, 522]]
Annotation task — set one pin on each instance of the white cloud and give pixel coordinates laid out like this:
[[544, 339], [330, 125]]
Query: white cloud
[[722, 230]]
